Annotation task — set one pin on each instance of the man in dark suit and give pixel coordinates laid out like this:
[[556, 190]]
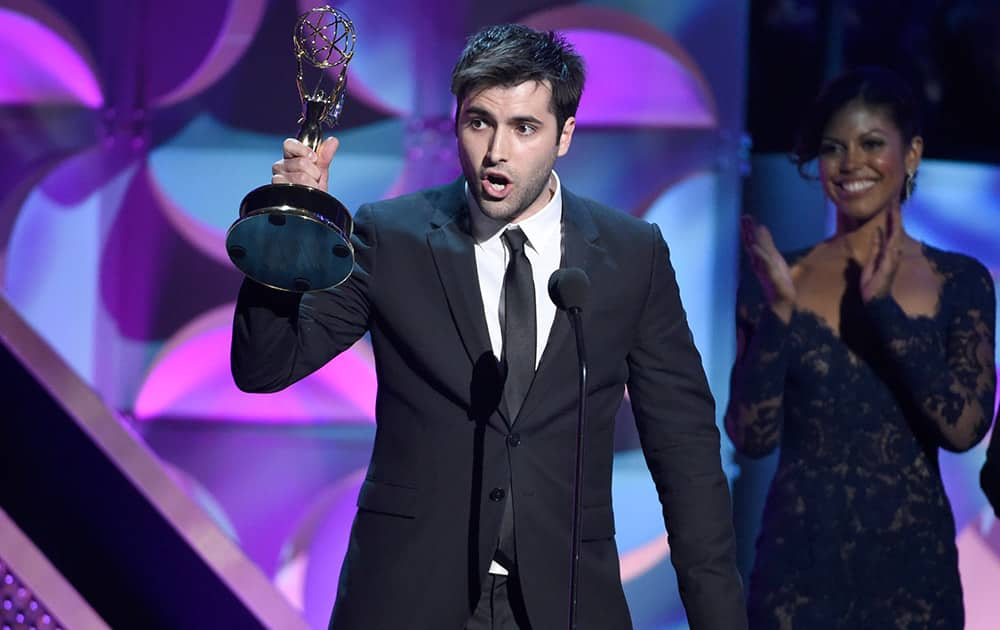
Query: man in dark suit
[[464, 518]]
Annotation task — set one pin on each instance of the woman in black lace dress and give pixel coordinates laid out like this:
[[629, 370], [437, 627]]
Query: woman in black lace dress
[[860, 357]]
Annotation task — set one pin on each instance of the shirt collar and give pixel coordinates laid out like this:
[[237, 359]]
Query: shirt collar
[[538, 228]]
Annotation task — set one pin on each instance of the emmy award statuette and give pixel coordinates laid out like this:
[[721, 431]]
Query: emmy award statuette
[[292, 237]]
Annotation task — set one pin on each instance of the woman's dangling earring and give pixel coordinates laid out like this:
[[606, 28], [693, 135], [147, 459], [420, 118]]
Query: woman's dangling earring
[[909, 184]]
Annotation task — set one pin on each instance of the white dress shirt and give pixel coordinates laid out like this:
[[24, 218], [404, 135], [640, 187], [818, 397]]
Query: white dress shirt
[[544, 251]]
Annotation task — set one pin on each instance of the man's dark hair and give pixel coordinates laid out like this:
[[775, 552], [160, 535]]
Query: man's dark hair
[[871, 85], [510, 54]]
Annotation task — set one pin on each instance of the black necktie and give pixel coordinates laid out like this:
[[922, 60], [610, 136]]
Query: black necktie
[[519, 336], [519, 339]]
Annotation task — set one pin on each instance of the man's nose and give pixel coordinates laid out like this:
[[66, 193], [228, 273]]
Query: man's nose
[[497, 149]]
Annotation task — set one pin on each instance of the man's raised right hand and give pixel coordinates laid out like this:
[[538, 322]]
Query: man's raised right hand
[[302, 165]]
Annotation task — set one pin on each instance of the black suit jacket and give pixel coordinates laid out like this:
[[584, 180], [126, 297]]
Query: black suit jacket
[[445, 452]]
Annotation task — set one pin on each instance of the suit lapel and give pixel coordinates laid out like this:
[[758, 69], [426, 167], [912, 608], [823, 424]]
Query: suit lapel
[[582, 249], [454, 255], [453, 250]]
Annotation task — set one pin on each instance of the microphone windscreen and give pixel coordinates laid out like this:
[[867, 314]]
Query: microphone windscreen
[[568, 288]]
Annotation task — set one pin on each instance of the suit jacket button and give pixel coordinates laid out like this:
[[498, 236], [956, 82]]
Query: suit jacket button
[[498, 494], [513, 439]]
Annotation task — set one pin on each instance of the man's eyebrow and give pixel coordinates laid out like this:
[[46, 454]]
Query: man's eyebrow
[[527, 119], [483, 113], [477, 111]]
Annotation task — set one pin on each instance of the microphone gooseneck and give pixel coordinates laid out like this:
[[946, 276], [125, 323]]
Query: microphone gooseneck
[[568, 289]]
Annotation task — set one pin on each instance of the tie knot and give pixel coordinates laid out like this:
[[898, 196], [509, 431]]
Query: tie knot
[[515, 239]]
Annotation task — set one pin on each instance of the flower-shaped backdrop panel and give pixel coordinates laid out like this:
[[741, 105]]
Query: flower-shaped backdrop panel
[[43, 61], [190, 378], [92, 229]]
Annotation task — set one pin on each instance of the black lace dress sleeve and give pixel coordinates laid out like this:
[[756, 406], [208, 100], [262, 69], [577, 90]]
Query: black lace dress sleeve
[[754, 415], [947, 374]]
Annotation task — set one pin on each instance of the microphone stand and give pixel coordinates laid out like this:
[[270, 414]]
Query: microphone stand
[[574, 577]]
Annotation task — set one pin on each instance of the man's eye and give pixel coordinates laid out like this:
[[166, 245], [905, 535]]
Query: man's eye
[[525, 129]]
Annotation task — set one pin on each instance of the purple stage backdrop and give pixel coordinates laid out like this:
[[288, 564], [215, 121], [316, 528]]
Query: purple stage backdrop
[[130, 130]]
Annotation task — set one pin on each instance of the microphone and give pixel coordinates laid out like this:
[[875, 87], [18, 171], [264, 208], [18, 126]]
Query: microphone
[[568, 289]]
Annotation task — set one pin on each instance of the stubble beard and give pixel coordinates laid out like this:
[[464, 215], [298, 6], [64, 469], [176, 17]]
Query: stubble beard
[[511, 209]]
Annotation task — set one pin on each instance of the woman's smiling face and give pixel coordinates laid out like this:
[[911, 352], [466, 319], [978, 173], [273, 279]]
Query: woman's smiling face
[[864, 160]]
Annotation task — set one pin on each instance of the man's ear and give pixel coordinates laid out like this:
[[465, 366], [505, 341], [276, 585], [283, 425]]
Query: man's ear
[[566, 136]]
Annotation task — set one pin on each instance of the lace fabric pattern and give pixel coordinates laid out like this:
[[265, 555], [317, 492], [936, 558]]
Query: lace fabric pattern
[[857, 530]]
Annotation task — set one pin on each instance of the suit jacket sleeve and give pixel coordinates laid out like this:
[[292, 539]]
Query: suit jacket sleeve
[[280, 337], [675, 417]]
